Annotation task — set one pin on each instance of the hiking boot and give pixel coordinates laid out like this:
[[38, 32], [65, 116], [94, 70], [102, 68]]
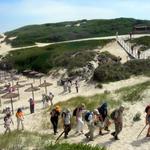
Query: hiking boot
[[116, 138], [100, 133], [106, 129], [113, 133]]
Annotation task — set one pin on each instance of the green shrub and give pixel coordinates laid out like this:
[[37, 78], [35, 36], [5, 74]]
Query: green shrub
[[133, 93], [110, 72], [138, 67], [137, 117]]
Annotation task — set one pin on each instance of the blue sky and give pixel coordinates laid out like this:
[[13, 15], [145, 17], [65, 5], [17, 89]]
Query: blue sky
[[17, 13]]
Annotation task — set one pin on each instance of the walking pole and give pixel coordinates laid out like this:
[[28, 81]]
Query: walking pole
[[142, 131], [59, 136]]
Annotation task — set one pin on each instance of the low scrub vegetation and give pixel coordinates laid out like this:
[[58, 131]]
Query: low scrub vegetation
[[133, 93], [115, 71], [23, 140], [67, 146], [54, 32], [67, 55], [29, 140]]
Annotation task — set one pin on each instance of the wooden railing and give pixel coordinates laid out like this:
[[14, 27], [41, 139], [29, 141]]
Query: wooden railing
[[133, 53]]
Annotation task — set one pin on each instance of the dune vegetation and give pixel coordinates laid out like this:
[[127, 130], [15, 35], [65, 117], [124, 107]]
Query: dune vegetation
[[54, 32], [32, 140], [68, 55]]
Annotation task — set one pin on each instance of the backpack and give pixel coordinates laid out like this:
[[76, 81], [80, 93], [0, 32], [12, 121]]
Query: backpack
[[75, 112], [112, 115], [147, 108], [86, 117]]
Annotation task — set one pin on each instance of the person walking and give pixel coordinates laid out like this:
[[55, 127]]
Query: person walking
[[80, 123], [104, 118], [51, 97], [66, 116], [92, 120], [7, 123], [20, 118], [55, 113], [77, 86], [32, 105], [147, 110], [117, 117], [69, 86]]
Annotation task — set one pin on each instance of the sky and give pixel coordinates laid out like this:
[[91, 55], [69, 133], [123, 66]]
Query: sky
[[18, 13]]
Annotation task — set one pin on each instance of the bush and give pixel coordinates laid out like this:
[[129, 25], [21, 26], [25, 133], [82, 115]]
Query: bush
[[138, 67], [137, 117], [99, 85], [110, 72]]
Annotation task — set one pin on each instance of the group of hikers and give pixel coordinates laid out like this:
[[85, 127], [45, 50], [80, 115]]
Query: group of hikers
[[98, 118], [67, 85]]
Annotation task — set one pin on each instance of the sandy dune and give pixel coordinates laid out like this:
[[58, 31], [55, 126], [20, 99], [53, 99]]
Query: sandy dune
[[128, 136]]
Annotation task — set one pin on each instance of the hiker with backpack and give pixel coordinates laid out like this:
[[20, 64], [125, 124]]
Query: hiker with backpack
[[20, 118], [66, 116], [147, 110], [32, 104], [104, 118], [55, 113], [92, 120], [7, 123], [117, 117], [78, 113]]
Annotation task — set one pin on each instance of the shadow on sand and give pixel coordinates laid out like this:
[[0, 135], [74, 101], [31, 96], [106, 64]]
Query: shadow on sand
[[137, 142]]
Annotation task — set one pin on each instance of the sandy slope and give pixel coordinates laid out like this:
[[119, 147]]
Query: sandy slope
[[115, 49], [128, 136]]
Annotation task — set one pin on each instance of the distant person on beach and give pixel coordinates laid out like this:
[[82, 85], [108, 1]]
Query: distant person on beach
[[20, 118], [69, 84], [66, 116], [130, 34], [8, 110], [147, 110], [55, 113], [117, 117], [51, 96], [32, 105], [7, 123], [77, 86], [65, 86]]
